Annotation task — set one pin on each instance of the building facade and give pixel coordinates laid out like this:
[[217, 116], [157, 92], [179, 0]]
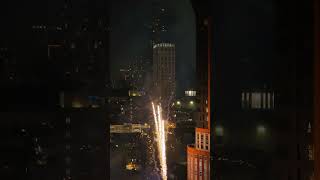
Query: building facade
[[79, 47], [198, 155], [164, 72]]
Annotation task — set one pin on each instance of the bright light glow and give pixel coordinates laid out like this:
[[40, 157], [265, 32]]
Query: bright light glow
[[219, 131], [178, 102], [191, 102], [261, 130], [163, 45], [190, 93], [161, 139]]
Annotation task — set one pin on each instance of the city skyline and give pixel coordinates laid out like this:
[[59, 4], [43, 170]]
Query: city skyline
[[132, 32], [159, 89]]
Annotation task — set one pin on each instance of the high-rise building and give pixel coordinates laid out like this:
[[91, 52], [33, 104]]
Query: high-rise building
[[164, 72], [78, 45], [198, 154], [28, 91], [262, 91], [54, 57]]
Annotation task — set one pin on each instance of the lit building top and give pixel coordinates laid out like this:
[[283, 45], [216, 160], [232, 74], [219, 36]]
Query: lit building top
[[163, 45]]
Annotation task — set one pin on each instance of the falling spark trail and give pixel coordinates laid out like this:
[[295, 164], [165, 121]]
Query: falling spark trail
[[161, 139]]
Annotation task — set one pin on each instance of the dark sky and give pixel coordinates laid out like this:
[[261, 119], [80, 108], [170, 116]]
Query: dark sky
[[130, 35]]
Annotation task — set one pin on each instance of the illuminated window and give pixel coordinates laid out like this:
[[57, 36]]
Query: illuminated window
[[200, 167], [195, 168], [243, 100], [310, 152], [191, 166], [309, 128], [269, 101], [205, 170], [257, 100]]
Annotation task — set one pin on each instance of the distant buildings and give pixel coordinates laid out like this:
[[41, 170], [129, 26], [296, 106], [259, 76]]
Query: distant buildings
[[135, 75]]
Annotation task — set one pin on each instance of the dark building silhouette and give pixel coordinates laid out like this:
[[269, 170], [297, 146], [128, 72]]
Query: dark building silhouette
[[198, 155], [262, 95], [262, 90], [317, 90], [55, 75]]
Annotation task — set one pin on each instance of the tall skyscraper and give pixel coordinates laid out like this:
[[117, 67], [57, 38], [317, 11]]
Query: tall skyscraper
[[164, 72]]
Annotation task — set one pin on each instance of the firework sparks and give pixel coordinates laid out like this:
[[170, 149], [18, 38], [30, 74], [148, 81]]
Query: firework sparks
[[161, 139]]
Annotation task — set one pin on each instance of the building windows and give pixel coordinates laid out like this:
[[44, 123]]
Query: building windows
[[310, 152], [257, 100], [200, 168], [205, 170], [309, 130], [195, 168], [198, 140], [189, 169], [39, 27], [68, 120]]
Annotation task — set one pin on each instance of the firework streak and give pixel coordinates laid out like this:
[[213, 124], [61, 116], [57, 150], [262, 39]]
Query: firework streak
[[161, 139]]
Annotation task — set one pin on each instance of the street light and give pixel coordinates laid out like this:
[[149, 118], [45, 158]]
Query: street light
[[191, 102]]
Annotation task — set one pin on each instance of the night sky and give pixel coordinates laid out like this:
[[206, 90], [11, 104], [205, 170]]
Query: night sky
[[130, 35]]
